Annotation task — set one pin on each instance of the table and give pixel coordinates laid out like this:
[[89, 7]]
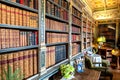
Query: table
[[88, 74]]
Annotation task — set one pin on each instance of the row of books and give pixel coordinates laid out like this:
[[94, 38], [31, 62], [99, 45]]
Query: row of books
[[88, 39], [88, 30], [84, 29], [29, 3], [76, 12], [55, 54], [75, 37], [88, 44], [56, 11], [76, 29], [55, 25], [84, 24], [15, 16], [56, 38], [11, 38], [25, 60], [76, 21], [84, 34], [89, 34], [75, 48], [62, 3]]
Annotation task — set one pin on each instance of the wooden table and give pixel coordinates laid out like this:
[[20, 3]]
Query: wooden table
[[88, 74]]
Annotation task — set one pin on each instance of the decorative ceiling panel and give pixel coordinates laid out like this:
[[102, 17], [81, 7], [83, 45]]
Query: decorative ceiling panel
[[97, 5]]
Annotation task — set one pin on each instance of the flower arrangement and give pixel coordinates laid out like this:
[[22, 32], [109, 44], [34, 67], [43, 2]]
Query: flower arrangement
[[67, 70]]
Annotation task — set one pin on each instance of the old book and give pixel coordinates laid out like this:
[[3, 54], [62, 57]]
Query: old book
[[16, 16], [0, 13], [10, 60], [0, 38], [3, 38], [0, 67], [12, 16], [31, 3], [8, 14], [21, 38], [26, 64], [7, 39], [28, 18], [4, 65], [15, 61], [21, 62], [4, 16], [30, 62], [11, 38], [24, 18], [20, 17], [35, 62], [17, 38], [13, 0]]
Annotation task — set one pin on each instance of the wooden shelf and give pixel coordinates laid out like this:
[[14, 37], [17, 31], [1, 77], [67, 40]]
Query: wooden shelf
[[76, 25], [52, 70], [75, 41], [17, 27], [76, 33], [56, 31], [18, 48], [19, 5], [57, 44], [56, 18]]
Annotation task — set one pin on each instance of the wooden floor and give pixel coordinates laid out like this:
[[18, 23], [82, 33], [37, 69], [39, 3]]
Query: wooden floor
[[116, 75]]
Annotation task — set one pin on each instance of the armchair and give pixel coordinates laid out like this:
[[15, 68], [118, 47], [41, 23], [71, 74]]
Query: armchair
[[104, 68]]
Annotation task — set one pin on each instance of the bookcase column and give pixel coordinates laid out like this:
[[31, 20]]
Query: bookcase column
[[70, 32], [117, 33], [42, 47]]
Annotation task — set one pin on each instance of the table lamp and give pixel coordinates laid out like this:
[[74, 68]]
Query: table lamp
[[116, 53], [101, 40]]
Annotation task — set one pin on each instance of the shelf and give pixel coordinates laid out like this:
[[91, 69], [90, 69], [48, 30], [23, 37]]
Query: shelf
[[75, 41], [56, 44], [57, 5], [76, 16], [19, 5], [52, 70], [17, 27], [34, 77], [76, 25], [76, 33], [56, 18], [56, 31], [17, 49], [77, 55]]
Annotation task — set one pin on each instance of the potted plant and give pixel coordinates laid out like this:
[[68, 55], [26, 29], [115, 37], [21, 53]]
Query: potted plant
[[9, 75], [67, 71]]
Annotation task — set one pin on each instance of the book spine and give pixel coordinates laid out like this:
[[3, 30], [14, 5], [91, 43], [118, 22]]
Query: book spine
[[0, 38], [30, 62], [4, 65], [15, 61], [3, 13], [35, 61], [21, 61], [28, 18], [20, 17], [10, 60], [12, 16], [26, 65], [7, 38], [16, 16], [3, 38], [0, 67], [0, 13], [8, 14]]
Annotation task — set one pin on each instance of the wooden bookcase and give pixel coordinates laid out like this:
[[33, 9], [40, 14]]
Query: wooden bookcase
[[43, 35], [18, 37]]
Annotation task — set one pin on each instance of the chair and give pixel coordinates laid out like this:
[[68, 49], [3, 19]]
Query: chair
[[104, 68]]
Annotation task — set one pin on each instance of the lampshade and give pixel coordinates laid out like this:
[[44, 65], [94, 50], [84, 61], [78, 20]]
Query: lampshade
[[115, 52], [101, 39]]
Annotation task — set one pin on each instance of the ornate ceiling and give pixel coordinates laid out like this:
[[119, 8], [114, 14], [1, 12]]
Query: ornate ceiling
[[104, 9], [100, 5]]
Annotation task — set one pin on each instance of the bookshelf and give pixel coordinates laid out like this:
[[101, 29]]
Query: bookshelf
[[19, 37], [42, 34], [76, 30]]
